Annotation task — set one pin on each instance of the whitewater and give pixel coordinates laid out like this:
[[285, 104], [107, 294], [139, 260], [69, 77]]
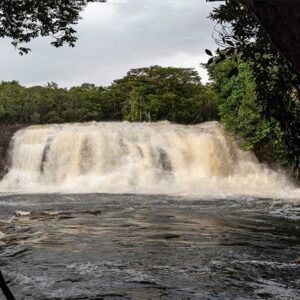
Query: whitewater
[[149, 158]]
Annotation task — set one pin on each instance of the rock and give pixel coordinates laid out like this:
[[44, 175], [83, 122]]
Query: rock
[[297, 261], [6, 133]]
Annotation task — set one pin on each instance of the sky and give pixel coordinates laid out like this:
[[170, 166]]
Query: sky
[[115, 37]]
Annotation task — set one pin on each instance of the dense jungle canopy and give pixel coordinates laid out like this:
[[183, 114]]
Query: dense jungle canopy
[[145, 94], [243, 41]]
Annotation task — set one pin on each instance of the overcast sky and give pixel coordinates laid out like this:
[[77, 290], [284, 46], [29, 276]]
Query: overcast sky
[[115, 37]]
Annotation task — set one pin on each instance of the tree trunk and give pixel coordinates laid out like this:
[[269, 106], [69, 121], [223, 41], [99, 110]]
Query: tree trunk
[[281, 20]]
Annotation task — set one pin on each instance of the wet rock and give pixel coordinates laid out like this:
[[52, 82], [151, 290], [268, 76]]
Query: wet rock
[[6, 133]]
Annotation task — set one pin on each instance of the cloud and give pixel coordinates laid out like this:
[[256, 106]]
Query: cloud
[[114, 37]]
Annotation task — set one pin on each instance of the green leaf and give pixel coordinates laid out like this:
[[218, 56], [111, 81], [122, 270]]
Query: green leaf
[[208, 52], [210, 61]]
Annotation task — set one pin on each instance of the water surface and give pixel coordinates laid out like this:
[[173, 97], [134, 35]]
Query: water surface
[[104, 246]]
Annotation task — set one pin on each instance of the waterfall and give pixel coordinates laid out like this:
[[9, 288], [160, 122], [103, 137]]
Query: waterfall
[[113, 157]]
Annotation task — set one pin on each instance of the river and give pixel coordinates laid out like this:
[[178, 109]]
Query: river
[[145, 211]]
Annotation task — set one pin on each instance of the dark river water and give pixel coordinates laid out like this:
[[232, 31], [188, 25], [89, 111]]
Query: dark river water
[[101, 246]]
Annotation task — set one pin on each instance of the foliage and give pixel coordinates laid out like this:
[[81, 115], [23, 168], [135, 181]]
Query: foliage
[[24, 20], [277, 85], [146, 94], [157, 93], [240, 111]]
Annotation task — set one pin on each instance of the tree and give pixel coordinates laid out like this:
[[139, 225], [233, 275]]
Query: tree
[[277, 85], [280, 20], [24, 20], [158, 93], [146, 94], [242, 114]]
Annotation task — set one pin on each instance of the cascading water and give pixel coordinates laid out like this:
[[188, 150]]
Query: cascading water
[[135, 158]]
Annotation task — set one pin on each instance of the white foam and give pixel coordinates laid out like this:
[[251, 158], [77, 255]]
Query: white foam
[[127, 157]]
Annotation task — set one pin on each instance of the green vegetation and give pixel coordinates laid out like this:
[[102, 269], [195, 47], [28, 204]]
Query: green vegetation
[[25, 20], [146, 94], [241, 112], [260, 93]]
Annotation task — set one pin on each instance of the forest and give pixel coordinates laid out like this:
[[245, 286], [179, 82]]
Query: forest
[[145, 94]]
